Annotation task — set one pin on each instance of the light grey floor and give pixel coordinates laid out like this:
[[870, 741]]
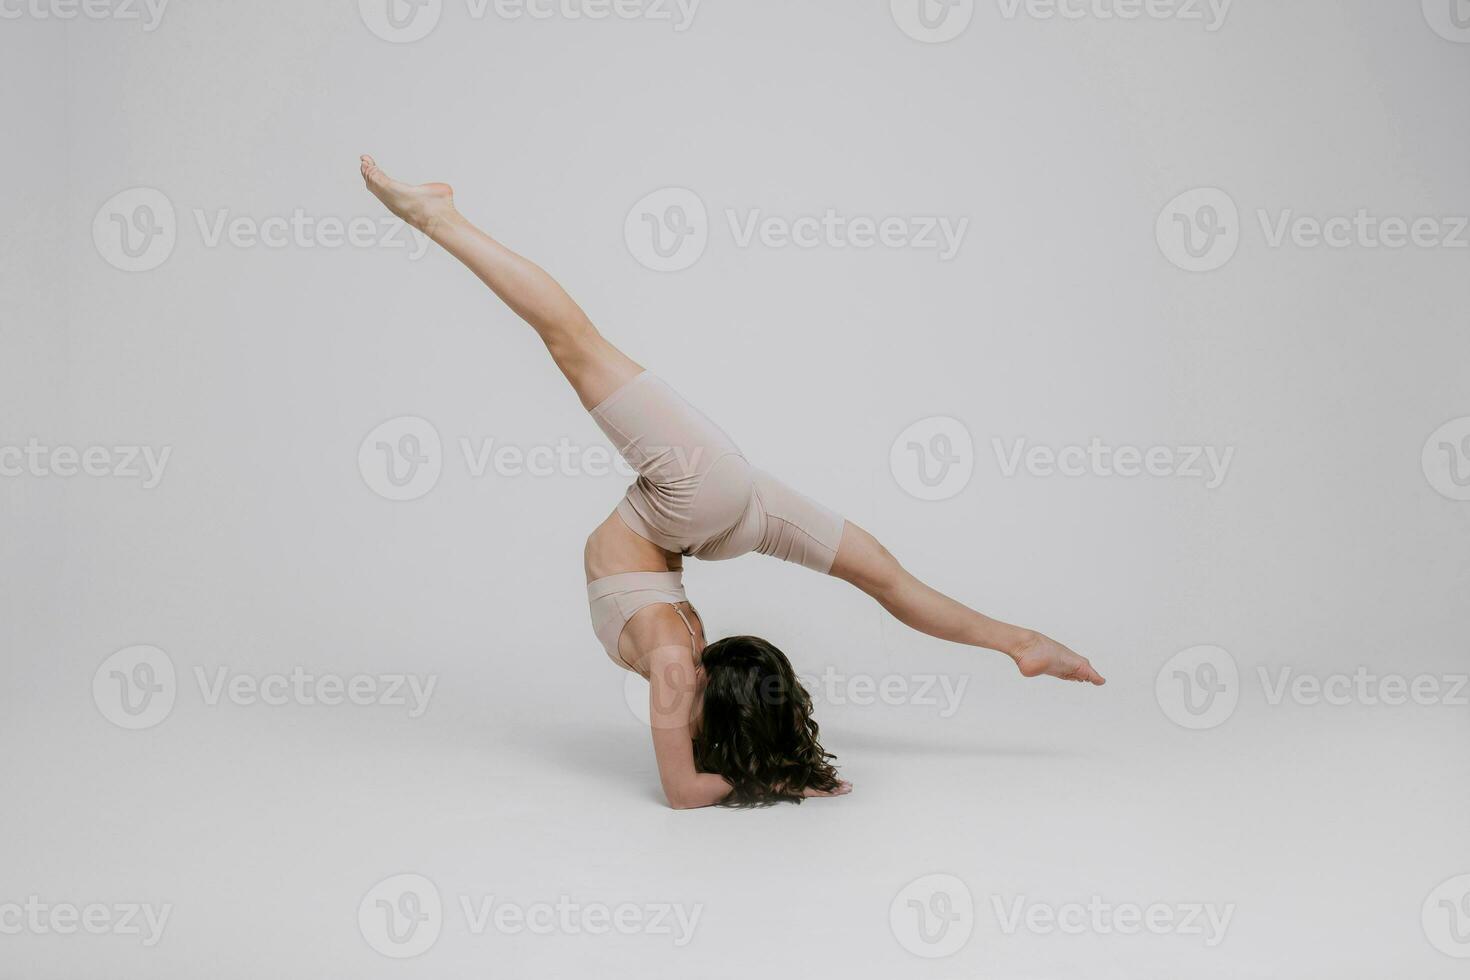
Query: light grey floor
[[264, 831]]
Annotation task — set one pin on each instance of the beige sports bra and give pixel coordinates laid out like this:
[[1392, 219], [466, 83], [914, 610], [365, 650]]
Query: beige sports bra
[[618, 598]]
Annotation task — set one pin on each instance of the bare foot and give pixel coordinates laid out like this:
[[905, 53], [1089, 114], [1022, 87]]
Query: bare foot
[[1043, 655], [420, 205]]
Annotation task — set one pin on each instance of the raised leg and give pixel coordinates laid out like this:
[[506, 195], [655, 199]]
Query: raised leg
[[593, 366]]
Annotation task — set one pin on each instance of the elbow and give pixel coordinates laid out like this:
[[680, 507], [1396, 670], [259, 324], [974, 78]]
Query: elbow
[[695, 794], [677, 795], [682, 801]]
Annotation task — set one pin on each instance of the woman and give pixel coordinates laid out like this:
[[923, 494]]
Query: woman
[[731, 723]]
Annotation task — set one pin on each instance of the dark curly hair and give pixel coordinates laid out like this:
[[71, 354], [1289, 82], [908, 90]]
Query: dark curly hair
[[756, 728]]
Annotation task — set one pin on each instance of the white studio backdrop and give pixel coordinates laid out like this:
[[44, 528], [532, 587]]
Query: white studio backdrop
[[1144, 324]]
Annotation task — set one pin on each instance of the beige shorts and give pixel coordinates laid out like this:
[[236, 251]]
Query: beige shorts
[[695, 492], [695, 495]]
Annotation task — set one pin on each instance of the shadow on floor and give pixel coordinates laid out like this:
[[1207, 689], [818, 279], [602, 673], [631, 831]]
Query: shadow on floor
[[610, 755], [880, 743]]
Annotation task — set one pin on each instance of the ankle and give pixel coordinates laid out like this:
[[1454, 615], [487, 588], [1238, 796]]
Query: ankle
[[1018, 642], [437, 219]]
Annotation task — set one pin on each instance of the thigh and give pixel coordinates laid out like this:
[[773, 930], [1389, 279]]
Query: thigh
[[798, 529], [668, 441]]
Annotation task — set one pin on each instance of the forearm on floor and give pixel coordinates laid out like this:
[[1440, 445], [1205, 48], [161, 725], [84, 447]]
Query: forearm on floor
[[701, 790]]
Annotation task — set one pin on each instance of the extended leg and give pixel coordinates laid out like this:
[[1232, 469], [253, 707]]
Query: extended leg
[[864, 562], [594, 366]]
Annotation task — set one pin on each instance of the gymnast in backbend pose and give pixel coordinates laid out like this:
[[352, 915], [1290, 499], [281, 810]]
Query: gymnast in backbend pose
[[731, 722]]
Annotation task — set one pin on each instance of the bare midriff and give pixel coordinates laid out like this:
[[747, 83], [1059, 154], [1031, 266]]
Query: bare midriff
[[614, 549]]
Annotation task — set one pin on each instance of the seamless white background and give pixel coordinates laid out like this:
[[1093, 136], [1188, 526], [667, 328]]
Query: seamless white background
[[1332, 545]]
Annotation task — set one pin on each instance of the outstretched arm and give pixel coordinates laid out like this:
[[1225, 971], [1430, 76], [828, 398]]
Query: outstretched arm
[[864, 562]]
